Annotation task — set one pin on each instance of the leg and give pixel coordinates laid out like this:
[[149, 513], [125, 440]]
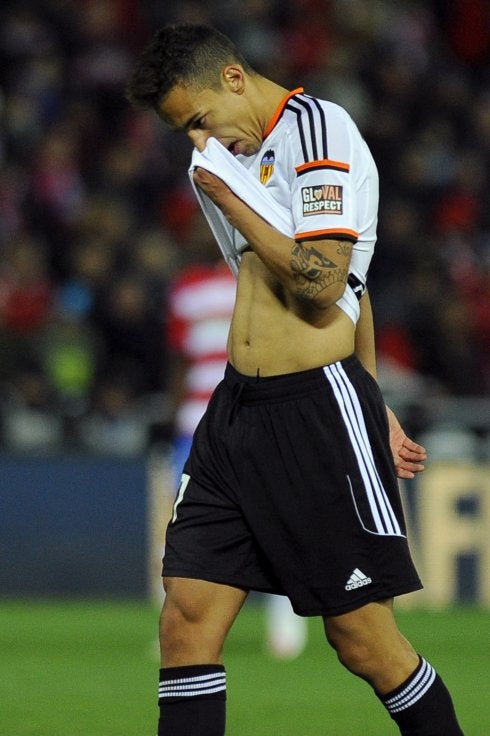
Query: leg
[[196, 617], [369, 644]]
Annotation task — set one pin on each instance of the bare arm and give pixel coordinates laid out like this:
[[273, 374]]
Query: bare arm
[[408, 456], [364, 342]]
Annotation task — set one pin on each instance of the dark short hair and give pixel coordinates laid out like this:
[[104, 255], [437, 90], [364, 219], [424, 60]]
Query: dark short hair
[[180, 54]]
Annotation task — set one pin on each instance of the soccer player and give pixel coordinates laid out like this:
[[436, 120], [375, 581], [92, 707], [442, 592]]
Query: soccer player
[[291, 485]]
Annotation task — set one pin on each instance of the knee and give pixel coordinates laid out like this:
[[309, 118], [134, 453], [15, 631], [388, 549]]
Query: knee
[[382, 664], [353, 654], [357, 646], [369, 644]]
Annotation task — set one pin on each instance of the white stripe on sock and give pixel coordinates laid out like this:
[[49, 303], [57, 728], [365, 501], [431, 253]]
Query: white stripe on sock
[[415, 690], [192, 686]]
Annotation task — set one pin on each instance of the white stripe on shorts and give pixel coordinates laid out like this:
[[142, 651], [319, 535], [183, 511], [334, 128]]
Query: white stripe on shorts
[[350, 408]]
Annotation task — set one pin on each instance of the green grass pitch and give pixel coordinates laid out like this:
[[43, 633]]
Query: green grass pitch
[[91, 669]]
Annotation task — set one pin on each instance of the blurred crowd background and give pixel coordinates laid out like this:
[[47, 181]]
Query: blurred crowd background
[[97, 218]]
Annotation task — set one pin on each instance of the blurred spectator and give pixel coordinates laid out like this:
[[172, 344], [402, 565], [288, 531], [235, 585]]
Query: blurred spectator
[[69, 350], [28, 422], [26, 295], [201, 302], [132, 329], [25, 288], [114, 423]]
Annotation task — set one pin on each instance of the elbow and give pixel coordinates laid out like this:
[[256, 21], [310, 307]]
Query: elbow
[[321, 288], [324, 298], [336, 293]]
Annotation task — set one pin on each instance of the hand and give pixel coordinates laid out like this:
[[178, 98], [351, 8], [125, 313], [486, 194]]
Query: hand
[[408, 456], [212, 186]]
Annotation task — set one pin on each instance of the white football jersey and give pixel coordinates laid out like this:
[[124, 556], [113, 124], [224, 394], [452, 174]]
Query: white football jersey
[[313, 178]]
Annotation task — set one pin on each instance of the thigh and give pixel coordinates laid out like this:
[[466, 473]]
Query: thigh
[[196, 618], [371, 625]]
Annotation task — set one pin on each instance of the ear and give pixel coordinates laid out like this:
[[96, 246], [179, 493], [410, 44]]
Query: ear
[[233, 78]]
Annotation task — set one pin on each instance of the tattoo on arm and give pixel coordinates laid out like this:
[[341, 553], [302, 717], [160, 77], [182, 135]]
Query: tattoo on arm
[[344, 249], [313, 272]]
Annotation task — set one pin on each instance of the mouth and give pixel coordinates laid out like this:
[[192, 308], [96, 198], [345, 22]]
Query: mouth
[[233, 148]]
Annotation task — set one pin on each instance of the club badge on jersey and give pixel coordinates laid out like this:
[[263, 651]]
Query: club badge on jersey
[[267, 166]]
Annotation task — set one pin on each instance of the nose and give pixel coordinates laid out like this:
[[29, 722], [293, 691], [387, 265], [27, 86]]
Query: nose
[[199, 138]]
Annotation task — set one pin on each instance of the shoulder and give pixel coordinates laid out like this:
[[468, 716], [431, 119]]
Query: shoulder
[[316, 129], [304, 105]]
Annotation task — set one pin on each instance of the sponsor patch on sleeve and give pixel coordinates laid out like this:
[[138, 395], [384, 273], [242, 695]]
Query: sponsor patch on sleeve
[[325, 199]]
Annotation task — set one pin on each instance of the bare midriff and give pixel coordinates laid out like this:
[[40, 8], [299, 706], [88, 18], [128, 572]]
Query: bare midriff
[[273, 332]]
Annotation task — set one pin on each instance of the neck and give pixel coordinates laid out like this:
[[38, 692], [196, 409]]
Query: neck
[[268, 96]]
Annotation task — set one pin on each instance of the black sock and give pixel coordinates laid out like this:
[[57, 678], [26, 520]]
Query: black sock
[[192, 700], [422, 706]]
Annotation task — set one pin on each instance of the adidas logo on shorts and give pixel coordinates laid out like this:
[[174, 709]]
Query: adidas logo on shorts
[[357, 580]]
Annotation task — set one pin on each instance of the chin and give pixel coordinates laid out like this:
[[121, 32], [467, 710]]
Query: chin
[[249, 150]]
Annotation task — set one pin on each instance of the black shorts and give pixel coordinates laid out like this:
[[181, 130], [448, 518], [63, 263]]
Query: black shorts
[[290, 488]]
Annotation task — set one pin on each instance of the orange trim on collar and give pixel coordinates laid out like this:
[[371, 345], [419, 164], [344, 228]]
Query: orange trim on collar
[[279, 111]]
